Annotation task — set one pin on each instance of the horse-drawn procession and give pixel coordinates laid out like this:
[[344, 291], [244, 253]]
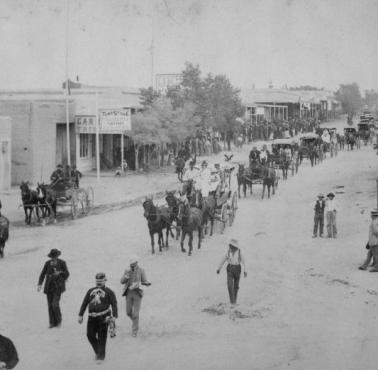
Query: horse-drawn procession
[[63, 192]]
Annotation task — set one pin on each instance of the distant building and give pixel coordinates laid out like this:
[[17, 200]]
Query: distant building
[[38, 128], [163, 81]]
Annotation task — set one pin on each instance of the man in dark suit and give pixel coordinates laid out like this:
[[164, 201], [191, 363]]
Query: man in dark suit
[[8, 353], [56, 273]]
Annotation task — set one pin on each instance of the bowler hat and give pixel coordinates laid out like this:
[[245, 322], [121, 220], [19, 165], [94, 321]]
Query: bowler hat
[[234, 243], [100, 277], [330, 195], [54, 253]]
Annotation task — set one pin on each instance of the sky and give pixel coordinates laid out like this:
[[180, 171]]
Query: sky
[[288, 42]]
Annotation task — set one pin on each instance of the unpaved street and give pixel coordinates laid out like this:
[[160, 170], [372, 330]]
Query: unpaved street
[[304, 304]]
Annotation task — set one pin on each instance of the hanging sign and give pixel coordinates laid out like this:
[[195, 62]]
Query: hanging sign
[[114, 121]]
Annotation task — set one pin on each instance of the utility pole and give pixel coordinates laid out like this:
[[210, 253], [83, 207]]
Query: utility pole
[[67, 93], [152, 62]]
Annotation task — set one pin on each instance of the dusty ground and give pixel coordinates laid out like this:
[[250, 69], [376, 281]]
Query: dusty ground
[[304, 304]]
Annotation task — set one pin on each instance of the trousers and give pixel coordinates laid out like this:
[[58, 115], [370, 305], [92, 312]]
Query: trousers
[[55, 316], [318, 223], [97, 333], [331, 224], [133, 304], [233, 278]]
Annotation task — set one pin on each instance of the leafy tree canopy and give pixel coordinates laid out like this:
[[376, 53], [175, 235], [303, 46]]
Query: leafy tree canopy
[[350, 98]]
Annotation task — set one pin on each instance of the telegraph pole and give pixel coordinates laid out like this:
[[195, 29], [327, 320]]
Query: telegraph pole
[[67, 92]]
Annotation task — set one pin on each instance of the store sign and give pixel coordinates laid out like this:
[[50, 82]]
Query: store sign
[[260, 111], [114, 121], [85, 124]]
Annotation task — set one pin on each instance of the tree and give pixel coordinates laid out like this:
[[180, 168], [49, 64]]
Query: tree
[[148, 97], [350, 98], [371, 99]]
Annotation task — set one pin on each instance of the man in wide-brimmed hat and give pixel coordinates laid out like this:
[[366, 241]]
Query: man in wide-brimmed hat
[[331, 209], [102, 308], [56, 273], [372, 244], [134, 278], [235, 260], [319, 206]]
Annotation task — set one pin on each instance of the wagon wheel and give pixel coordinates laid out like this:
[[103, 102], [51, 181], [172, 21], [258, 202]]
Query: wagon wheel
[[223, 217], [89, 197], [82, 200], [234, 207], [74, 205]]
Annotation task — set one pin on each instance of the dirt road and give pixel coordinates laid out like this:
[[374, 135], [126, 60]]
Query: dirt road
[[304, 304]]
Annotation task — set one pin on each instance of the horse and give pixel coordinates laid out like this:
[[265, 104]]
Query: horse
[[47, 198], [4, 233], [284, 164], [208, 207], [269, 180], [179, 167], [244, 177], [172, 202], [158, 218], [30, 201], [191, 219]]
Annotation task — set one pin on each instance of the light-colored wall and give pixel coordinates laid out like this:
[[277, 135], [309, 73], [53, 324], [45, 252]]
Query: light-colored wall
[[22, 148]]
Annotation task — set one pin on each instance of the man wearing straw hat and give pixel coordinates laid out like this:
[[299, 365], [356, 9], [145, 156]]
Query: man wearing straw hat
[[235, 260], [56, 273], [134, 278], [102, 305], [331, 209]]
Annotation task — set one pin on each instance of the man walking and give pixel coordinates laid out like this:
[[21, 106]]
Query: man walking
[[331, 208], [319, 216], [134, 278], [235, 259], [102, 305], [55, 274], [372, 244]]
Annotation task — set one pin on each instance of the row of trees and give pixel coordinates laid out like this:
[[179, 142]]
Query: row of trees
[[197, 102]]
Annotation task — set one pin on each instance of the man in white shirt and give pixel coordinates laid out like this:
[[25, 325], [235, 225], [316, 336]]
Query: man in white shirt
[[191, 173], [235, 260], [331, 209], [204, 179]]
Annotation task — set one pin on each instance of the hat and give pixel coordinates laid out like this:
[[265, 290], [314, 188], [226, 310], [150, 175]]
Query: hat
[[191, 163], [54, 253], [374, 213], [59, 166], [133, 260], [100, 277], [321, 195], [204, 163], [234, 243], [330, 195]]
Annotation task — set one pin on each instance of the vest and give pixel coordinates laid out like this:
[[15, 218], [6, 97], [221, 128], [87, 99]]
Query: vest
[[319, 206]]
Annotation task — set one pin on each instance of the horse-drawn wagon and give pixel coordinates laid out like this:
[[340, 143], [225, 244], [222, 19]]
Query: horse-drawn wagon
[[285, 156], [364, 131], [308, 147]]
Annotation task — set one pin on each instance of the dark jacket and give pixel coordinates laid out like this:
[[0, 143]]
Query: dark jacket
[[98, 300], [54, 282], [8, 353]]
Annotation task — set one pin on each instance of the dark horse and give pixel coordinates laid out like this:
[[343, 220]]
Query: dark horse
[[47, 198], [269, 179], [172, 202], [4, 233], [245, 177], [208, 207], [30, 201], [191, 219], [158, 218]]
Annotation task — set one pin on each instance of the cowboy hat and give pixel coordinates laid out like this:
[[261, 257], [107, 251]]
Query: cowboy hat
[[234, 243], [54, 253], [374, 213], [100, 277], [330, 195]]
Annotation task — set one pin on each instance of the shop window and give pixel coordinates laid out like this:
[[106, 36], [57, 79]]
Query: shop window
[[84, 145]]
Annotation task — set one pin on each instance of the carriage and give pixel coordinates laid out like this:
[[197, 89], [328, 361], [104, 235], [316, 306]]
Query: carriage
[[364, 131], [279, 157], [227, 201], [77, 199], [308, 143]]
